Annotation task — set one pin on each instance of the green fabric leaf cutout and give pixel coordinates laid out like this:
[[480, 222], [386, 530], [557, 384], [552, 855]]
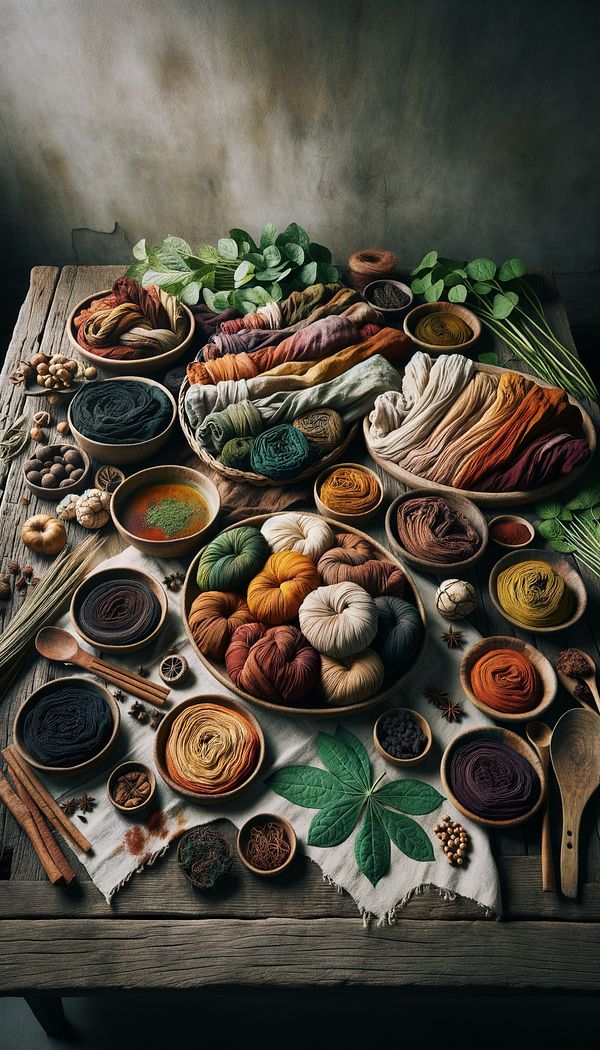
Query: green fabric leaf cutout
[[332, 824], [342, 761], [372, 847], [360, 751], [548, 510], [587, 498], [481, 269], [511, 269], [409, 796], [308, 786], [406, 834]]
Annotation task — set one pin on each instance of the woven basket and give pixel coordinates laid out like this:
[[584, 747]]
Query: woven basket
[[248, 476]]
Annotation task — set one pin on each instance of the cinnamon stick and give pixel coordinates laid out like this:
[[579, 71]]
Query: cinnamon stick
[[44, 800], [21, 814], [129, 682], [48, 838]]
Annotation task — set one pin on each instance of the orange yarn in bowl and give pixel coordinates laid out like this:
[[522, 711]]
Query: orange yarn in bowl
[[214, 617], [348, 490], [276, 593], [507, 681]]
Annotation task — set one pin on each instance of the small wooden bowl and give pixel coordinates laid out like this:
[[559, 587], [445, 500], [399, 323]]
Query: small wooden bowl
[[460, 505], [561, 565], [177, 547], [190, 878], [512, 519], [162, 735], [143, 366], [543, 667], [111, 574], [133, 453], [57, 494], [425, 728], [244, 833], [394, 312], [347, 519], [131, 766], [50, 687], [465, 315], [510, 739]]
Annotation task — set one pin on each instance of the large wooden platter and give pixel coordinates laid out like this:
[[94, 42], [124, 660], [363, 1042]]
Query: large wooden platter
[[493, 499], [191, 591]]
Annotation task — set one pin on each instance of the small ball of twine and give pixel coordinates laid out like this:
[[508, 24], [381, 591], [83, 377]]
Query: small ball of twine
[[370, 264]]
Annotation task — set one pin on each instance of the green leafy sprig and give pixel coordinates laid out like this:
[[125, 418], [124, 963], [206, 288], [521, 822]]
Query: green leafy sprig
[[238, 272], [344, 790], [506, 302], [574, 527]]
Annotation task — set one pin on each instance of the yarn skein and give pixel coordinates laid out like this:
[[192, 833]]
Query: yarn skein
[[352, 680], [375, 577], [491, 780], [121, 411], [428, 528], [281, 452], [340, 620], [370, 264], [506, 680], [67, 726], [211, 749], [399, 634], [242, 640], [534, 595], [350, 490], [305, 533], [229, 561], [213, 618], [324, 427], [236, 453], [277, 592], [120, 611], [443, 328], [280, 666]]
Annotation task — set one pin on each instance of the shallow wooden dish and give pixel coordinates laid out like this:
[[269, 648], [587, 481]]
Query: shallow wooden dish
[[111, 574], [560, 564], [393, 312], [190, 591], [178, 547], [543, 667], [64, 393], [50, 687], [493, 499], [143, 366], [505, 736], [162, 735], [118, 454], [248, 476], [56, 494], [460, 505], [242, 839], [465, 315], [502, 519], [129, 767], [347, 519], [392, 759]]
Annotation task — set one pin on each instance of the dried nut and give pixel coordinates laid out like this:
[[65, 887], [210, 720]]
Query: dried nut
[[59, 359], [37, 435], [72, 365], [39, 359], [53, 369], [43, 369], [48, 481], [42, 419], [21, 583], [34, 477], [90, 373], [14, 568], [5, 591], [64, 375], [53, 399], [63, 428], [27, 572]]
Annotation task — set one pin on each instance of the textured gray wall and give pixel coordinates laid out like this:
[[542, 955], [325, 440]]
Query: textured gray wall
[[466, 126]]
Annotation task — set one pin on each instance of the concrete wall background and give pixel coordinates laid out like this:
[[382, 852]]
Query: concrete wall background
[[466, 126]]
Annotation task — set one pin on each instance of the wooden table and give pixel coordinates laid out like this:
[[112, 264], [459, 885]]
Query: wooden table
[[159, 934]]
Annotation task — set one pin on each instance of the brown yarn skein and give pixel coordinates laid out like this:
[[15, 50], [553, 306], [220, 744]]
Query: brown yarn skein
[[214, 616], [370, 264]]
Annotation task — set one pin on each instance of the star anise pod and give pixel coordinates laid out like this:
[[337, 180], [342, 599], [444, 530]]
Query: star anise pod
[[138, 711], [86, 803], [69, 807], [436, 697], [451, 710], [453, 639]]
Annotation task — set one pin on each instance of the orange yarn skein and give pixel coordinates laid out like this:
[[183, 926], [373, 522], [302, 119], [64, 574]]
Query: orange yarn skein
[[506, 680], [214, 617], [277, 592]]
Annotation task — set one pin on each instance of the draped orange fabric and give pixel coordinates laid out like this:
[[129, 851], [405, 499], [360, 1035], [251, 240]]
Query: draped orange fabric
[[389, 342]]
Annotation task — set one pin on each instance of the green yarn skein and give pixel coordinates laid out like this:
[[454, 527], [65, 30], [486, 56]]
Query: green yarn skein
[[230, 561], [236, 453], [281, 452]]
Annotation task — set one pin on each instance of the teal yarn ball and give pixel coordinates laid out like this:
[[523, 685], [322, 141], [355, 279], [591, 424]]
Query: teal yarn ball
[[236, 453], [399, 634], [230, 561], [281, 452]]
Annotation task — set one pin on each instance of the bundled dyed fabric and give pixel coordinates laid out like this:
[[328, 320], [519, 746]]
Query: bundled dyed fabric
[[242, 420], [506, 680], [213, 618], [534, 595], [305, 533], [429, 529], [229, 561], [132, 322], [236, 453], [339, 621], [67, 726], [276, 594], [295, 308], [121, 411], [375, 577], [281, 452], [492, 780], [324, 427], [350, 490], [351, 549], [399, 634], [549, 457], [352, 680], [280, 666]]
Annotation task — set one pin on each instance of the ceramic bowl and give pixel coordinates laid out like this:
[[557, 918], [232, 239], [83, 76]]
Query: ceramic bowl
[[460, 505], [244, 834], [111, 574], [47, 689], [177, 547], [542, 665], [143, 366], [511, 519], [347, 519], [561, 565], [395, 312], [56, 494], [162, 735], [419, 312], [423, 725], [118, 454], [130, 767], [510, 739]]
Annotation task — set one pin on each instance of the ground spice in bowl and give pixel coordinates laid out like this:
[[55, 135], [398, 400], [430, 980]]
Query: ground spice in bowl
[[511, 533], [388, 297], [573, 663], [165, 511]]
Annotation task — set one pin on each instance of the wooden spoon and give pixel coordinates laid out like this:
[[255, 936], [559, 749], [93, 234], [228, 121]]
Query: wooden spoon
[[539, 736], [59, 645], [575, 752], [570, 684]]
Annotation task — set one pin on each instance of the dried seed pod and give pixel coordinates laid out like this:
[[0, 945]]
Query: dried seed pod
[[42, 419], [63, 427], [90, 373], [37, 434]]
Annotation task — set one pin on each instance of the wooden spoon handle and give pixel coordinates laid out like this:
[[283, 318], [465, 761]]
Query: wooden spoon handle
[[569, 852], [594, 691], [548, 872], [130, 682]]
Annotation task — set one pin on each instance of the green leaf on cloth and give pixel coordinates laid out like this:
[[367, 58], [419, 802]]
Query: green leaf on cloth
[[410, 796], [372, 847], [332, 825]]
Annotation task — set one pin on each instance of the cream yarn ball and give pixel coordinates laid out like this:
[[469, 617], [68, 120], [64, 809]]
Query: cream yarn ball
[[352, 680], [305, 533], [339, 620], [455, 599]]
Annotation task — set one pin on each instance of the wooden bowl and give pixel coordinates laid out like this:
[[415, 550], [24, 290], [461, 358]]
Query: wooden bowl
[[143, 366], [118, 454], [347, 519], [190, 878], [415, 315], [190, 591], [179, 546], [561, 565], [392, 759], [131, 767], [57, 494], [460, 505], [510, 739], [394, 312], [512, 519], [543, 667], [111, 574], [50, 687], [244, 834], [162, 735]]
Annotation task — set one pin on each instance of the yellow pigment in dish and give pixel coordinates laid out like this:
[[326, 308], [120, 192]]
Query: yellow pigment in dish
[[166, 511]]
